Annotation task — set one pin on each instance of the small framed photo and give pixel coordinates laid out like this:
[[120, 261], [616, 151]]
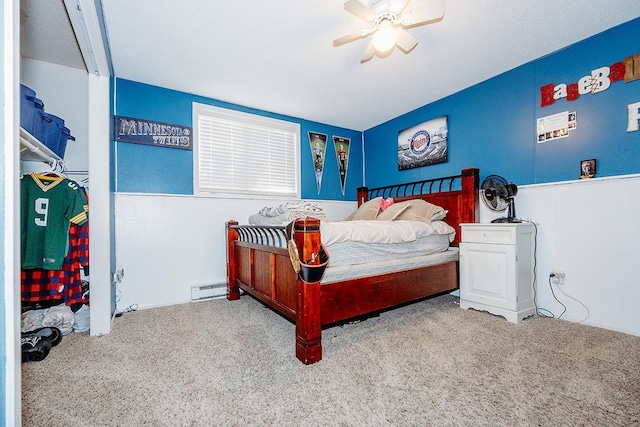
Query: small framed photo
[[587, 168]]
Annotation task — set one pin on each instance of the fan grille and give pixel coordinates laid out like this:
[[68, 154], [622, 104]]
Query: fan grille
[[493, 193], [499, 195]]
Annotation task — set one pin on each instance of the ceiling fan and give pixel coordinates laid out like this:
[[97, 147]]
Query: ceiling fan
[[388, 20]]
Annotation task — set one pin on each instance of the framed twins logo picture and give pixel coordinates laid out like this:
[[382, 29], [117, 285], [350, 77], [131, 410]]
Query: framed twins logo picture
[[423, 145]]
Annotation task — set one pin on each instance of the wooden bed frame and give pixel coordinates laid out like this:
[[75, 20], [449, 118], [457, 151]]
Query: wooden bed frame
[[266, 273]]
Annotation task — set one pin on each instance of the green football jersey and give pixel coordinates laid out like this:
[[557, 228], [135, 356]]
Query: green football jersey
[[48, 205]]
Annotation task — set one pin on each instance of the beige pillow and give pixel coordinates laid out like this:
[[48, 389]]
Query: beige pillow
[[367, 210], [422, 210], [392, 212]]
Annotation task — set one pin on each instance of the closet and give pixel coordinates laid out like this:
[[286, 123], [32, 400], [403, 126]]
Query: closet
[[54, 241], [53, 63]]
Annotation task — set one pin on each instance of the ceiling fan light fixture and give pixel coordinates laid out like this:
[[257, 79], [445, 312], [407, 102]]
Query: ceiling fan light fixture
[[385, 38], [388, 22]]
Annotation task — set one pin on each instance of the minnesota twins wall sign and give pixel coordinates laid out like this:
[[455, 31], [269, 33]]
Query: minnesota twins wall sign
[[423, 145], [147, 132]]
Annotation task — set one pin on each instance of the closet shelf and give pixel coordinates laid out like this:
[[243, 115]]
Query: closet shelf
[[32, 149]]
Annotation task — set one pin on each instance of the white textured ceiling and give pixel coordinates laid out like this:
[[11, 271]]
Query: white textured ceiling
[[46, 34], [278, 55]]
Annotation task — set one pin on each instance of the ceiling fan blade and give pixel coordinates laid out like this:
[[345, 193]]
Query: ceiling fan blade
[[359, 9], [406, 41], [430, 13], [354, 36], [368, 53], [398, 6]]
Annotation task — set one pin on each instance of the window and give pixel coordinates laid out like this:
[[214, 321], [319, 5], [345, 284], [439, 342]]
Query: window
[[244, 154]]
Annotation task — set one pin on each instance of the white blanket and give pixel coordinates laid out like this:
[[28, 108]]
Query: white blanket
[[371, 231], [287, 212]]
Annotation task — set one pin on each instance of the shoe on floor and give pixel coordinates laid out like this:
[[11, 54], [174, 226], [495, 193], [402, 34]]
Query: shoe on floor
[[34, 348], [53, 334]]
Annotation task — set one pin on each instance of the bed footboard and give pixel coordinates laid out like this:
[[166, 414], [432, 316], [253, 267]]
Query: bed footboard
[[259, 264]]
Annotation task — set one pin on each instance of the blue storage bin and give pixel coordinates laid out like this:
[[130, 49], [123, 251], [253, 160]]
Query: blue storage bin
[[40, 120], [27, 92], [56, 135], [64, 138], [31, 112]]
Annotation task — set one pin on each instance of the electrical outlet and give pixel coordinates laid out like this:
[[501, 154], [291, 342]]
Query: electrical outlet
[[557, 277]]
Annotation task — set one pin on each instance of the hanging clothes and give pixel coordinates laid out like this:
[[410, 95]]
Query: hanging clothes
[[55, 240], [49, 204], [64, 285]]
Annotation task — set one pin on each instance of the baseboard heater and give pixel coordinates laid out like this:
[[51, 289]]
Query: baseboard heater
[[207, 292]]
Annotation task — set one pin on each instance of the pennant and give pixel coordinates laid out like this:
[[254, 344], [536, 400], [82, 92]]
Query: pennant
[[318, 144], [341, 146]]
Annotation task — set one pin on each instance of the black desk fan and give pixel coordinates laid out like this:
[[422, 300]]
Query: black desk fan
[[498, 195]]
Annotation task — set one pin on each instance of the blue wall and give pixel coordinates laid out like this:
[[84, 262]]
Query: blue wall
[[492, 125], [147, 169]]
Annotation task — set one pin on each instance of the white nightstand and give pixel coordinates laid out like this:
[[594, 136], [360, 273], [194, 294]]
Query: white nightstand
[[496, 269]]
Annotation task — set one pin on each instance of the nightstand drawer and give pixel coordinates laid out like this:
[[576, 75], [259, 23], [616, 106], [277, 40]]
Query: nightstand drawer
[[479, 233]]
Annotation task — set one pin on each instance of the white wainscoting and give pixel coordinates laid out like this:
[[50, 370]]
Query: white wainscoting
[[588, 229], [167, 244]]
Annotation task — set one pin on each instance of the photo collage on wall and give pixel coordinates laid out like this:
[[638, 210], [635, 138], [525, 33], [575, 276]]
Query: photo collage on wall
[[555, 126], [318, 145]]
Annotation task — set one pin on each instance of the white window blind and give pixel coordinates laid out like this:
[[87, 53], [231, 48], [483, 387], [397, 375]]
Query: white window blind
[[241, 153]]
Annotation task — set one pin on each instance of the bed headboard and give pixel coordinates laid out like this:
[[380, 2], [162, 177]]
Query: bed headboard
[[457, 194]]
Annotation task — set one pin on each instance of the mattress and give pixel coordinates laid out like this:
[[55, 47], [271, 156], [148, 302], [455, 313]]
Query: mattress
[[390, 265], [350, 252]]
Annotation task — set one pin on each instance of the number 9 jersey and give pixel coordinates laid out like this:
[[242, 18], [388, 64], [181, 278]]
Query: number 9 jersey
[[49, 204]]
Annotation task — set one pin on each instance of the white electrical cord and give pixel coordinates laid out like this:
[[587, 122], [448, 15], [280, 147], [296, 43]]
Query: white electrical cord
[[576, 300]]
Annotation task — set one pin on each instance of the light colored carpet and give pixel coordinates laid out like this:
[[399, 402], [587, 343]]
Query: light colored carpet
[[427, 364]]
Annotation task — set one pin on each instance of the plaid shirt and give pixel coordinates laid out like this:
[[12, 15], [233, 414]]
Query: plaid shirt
[[41, 285]]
